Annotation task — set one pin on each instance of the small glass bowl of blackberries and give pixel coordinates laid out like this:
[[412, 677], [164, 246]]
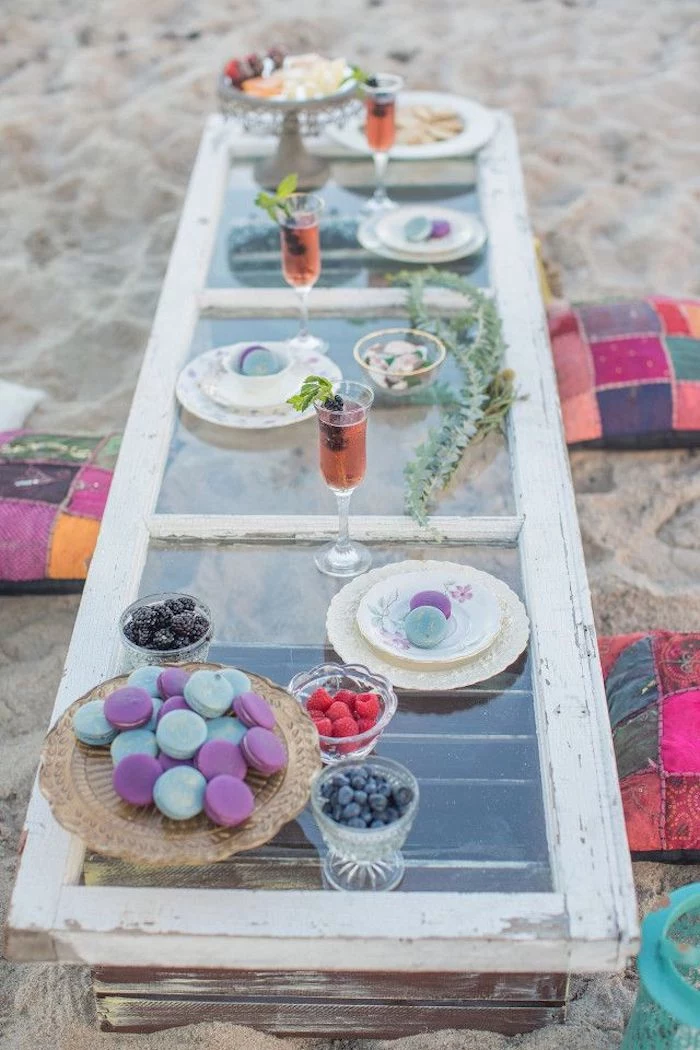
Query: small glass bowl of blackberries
[[166, 628], [364, 811]]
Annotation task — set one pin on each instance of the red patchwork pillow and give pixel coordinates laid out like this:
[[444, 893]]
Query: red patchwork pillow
[[652, 683], [629, 372]]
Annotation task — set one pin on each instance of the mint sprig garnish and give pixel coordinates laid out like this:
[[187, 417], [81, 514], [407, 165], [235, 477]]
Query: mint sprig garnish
[[314, 388], [274, 203]]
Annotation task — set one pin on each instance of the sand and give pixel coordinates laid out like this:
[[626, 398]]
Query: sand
[[100, 113]]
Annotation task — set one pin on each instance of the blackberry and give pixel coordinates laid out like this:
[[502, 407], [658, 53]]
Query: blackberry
[[145, 616], [199, 628], [174, 606], [372, 82], [182, 625], [131, 631], [163, 639], [187, 603], [334, 404], [293, 242], [144, 637]]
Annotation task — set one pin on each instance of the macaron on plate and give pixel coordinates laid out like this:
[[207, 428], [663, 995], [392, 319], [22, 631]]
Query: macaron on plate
[[179, 778], [429, 618]]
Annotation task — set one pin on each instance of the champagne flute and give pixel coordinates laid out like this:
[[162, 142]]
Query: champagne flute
[[301, 260], [342, 431], [380, 93]]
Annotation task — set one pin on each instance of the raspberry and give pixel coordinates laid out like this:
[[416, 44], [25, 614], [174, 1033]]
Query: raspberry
[[316, 716], [232, 70], [338, 710], [367, 706], [324, 726], [346, 696], [345, 727], [319, 700], [366, 723]]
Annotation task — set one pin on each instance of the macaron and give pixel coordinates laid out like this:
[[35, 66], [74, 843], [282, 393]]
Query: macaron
[[135, 777], [241, 682], [153, 720], [166, 762], [146, 677], [208, 693], [129, 708], [90, 725], [173, 703], [425, 626], [228, 801], [435, 598], [171, 681], [258, 361], [216, 757], [133, 742], [179, 792], [263, 751], [226, 728], [181, 733], [254, 710]]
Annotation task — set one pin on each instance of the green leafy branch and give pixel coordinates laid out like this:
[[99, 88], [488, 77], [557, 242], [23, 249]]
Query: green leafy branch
[[274, 203], [314, 388], [474, 339]]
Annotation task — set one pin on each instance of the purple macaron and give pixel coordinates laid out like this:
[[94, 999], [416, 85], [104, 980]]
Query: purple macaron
[[435, 598], [171, 681], [263, 751], [253, 710], [134, 778], [228, 801], [128, 708], [217, 757], [173, 703]]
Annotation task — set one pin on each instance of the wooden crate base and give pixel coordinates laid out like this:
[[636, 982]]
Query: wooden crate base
[[368, 1005]]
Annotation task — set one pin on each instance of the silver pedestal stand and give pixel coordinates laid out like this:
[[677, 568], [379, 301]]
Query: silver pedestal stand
[[290, 119]]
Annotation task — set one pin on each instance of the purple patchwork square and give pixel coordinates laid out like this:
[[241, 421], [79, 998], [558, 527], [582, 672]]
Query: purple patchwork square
[[43, 482], [637, 358], [604, 321], [25, 529], [646, 409], [90, 492]]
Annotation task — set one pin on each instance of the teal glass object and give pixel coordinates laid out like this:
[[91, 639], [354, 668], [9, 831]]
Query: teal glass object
[[666, 1015]]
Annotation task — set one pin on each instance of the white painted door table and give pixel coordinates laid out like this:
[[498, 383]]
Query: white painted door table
[[518, 871]]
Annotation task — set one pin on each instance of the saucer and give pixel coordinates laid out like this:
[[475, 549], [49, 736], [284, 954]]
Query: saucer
[[370, 241], [191, 395], [474, 622], [463, 231]]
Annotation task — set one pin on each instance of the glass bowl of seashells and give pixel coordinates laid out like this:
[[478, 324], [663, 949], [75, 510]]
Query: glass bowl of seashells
[[399, 361]]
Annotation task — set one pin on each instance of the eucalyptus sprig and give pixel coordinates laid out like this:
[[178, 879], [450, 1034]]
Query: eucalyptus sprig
[[474, 339], [274, 203], [314, 388]]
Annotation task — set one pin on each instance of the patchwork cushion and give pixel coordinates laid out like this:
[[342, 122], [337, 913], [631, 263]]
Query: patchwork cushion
[[652, 683], [629, 372], [53, 491]]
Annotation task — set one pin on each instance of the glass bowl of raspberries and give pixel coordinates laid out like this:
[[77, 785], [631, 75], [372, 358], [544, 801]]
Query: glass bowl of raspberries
[[166, 628], [350, 706]]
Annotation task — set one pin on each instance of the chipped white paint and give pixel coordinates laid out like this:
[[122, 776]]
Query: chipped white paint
[[589, 921]]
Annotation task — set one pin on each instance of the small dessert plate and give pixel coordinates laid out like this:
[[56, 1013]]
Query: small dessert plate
[[193, 384], [474, 622], [369, 239], [391, 229]]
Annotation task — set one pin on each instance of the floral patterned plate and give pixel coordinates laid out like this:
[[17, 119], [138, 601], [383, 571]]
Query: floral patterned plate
[[195, 376], [474, 623]]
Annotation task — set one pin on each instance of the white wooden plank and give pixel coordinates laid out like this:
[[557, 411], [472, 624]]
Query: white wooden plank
[[116, 567], [323, 302], [587, 834], [228, 528]]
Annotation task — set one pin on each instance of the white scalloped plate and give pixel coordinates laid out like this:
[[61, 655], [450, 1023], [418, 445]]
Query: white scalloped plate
[[347, 640]]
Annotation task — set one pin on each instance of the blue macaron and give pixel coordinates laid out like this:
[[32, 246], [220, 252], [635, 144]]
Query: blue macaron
[[133, 742], [90, 725], [153, 721], [181, 733], [146, 677], [241, 682], [425, 626], [179, 792], [226, 728], [209, 693]]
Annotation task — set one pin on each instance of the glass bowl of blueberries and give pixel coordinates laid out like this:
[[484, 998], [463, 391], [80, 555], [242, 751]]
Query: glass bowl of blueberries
[[166, 628], [364, 812]]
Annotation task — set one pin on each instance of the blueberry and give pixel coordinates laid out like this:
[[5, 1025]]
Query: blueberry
[[339, 780], [403, 796], [391, 815], [371, 786], [337, 812], [383, 789], [366, 815], [351, 810], [360, 796], [376, 823], [378, 802], [358, 782], [327, 789], [345, 795], [356, 822], [327, 807]]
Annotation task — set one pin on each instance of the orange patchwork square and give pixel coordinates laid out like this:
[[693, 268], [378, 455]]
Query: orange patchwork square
[[692, 312], [71, 546], [582, 418], [573, 363], [686, 406]]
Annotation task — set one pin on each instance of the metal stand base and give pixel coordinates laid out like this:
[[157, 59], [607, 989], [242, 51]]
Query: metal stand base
[[292, 156]]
